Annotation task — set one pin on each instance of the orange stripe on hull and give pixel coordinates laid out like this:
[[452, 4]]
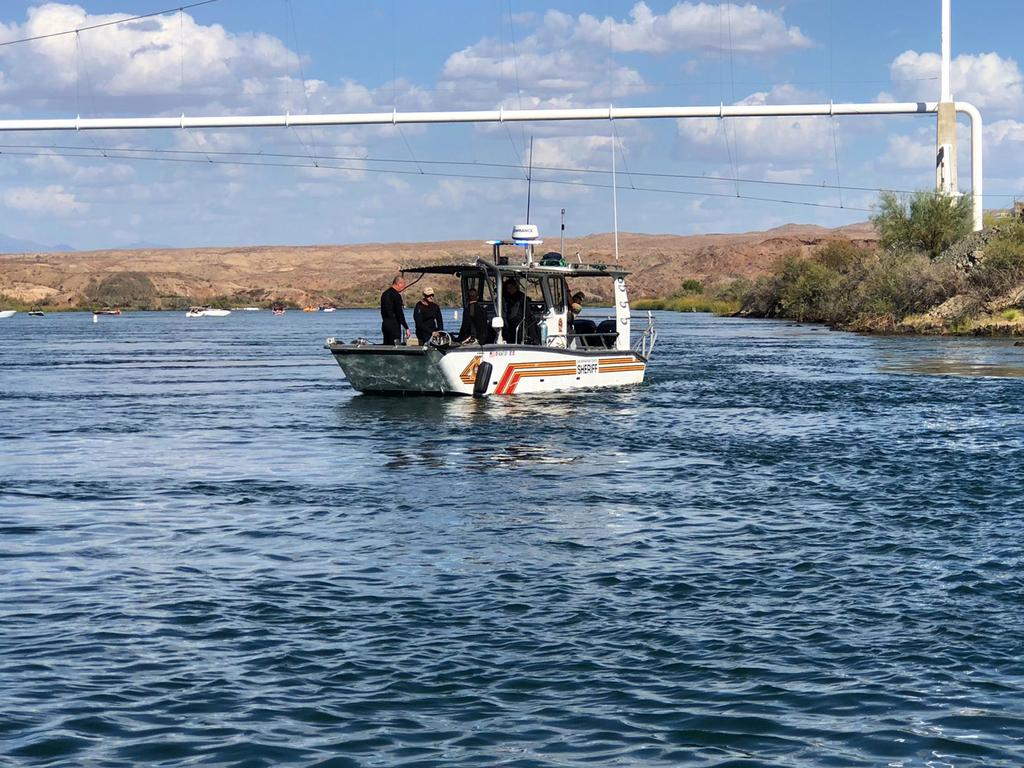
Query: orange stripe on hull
[[620, 368], [514, 372]]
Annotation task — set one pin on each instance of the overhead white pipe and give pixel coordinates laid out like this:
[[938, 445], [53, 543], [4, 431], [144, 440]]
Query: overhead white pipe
[[523, 115], [479, 116]]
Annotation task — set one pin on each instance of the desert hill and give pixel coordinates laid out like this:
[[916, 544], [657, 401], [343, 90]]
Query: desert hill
[[352, 275]]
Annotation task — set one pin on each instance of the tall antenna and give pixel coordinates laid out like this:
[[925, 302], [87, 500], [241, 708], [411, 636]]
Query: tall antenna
[[529, 182], [615, 198], [561, 237]]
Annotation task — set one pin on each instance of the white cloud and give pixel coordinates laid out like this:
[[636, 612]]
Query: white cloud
[[546, 79], [141, 62], [909, 153], [571, 151], [766, 138], [52, 200], [690, 26], [1004, 132], [987, 80], [167, 64]]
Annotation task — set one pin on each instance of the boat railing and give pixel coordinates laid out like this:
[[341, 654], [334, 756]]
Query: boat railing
[[645, 342]]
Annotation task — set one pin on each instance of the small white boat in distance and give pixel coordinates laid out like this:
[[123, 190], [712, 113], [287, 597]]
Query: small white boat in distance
[[524, 339], [207, 312], [5, 313]]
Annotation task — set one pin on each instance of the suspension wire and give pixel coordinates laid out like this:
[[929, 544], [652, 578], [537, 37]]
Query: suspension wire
[[501, 81], [408, 146], [611, 95], [470, 163], [181, 64], [107, 23], [302, 76], [721, 95], [292, 131], [622, 154], [394, 83], [732, 91], [831, 98], [181, 58], [351, 168], [515, 69], [83, 66]]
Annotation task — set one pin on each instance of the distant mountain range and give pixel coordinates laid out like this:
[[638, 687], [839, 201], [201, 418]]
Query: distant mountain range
[[16, 245], [353, 275]]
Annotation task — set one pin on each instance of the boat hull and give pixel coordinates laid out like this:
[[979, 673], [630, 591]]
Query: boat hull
[[515, 370], [4, 314]]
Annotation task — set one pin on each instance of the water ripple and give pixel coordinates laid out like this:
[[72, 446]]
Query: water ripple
[[790, 547]]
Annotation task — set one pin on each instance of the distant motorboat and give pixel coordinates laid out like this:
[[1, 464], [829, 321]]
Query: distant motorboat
[[107, 312], [37, 313], [278, 310], [5, 313], [207, 312], [328, 309]]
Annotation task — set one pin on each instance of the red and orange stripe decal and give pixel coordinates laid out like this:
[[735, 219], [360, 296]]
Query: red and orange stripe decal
[[468, 375], [516, 371], [619, 365]]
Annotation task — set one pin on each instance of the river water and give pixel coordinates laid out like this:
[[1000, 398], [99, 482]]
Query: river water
[[790, 547]]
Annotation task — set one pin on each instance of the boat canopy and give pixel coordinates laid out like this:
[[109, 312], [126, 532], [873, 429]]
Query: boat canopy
[[569, 270]]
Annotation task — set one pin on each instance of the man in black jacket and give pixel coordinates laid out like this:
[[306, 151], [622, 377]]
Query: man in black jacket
[[427, 317], [515, 310], [392, 313], [474, 320]]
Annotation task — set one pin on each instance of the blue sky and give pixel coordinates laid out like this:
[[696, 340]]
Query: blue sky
[[245, 57]]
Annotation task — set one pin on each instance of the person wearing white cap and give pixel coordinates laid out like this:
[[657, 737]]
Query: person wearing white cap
[[427, 316]]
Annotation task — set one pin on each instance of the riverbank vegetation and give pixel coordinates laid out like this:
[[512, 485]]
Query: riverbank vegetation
[[930, 274], [692, 297]]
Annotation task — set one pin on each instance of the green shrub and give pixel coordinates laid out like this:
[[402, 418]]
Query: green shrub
[[901, 285], [692, 286], [925, 222], [734, 291], [844, 285], [807, 290], [842, 256], [1002, 267]]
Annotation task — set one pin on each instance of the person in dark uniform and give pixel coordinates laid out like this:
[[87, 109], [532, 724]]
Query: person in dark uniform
[[474, 320], [426, 317], [392, 313], [515, 312]]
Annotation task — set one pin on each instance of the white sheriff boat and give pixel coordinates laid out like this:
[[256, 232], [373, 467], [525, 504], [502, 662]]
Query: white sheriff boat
[[530, 346]]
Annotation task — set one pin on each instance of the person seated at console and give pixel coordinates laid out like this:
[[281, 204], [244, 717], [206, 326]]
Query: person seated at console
[[514, 309], [575, 306], [474, 320]]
